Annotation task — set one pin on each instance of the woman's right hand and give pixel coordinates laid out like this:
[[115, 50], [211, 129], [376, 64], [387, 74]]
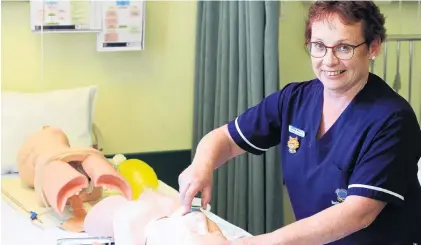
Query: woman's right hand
[[194, 179], [215, 149]]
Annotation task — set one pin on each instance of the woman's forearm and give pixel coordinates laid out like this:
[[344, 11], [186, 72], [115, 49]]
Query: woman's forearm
[[327, 226], [216, 148]]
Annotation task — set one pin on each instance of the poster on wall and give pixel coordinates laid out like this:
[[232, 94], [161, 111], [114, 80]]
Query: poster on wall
[[66, 16], [123, 26]]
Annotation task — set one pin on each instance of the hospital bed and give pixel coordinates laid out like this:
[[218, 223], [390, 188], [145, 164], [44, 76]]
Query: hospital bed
[[17, 227], [72, 111]]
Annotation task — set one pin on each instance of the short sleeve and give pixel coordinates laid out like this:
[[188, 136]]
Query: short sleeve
[[259, 127], [385, 168]]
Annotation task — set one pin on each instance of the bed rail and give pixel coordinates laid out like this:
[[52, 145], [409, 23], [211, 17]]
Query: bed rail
[[400, 66]]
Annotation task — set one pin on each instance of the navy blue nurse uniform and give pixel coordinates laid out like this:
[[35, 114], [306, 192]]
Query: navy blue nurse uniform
[[372, 151]]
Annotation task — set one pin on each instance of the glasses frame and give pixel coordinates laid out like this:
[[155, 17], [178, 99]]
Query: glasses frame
[[333, 49]]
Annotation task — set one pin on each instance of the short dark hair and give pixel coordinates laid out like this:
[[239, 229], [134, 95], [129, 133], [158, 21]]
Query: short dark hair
[[350, 12]]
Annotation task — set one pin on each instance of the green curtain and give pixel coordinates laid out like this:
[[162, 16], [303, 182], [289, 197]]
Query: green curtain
[[236, 67]]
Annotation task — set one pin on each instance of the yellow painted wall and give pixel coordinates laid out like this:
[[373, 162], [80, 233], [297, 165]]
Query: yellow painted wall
[[145, 99], [295, 63]]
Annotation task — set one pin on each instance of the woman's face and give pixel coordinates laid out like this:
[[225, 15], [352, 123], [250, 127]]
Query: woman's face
[[336, 74]]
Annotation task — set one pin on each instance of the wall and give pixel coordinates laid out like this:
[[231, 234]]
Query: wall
[[145, 98], [295, 63]]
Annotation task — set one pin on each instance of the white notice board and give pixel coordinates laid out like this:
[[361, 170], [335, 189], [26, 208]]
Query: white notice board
[[123, 26], [66, 15]]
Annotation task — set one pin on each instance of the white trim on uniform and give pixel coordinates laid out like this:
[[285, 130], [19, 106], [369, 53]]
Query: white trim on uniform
[[244, 138], [376, 189]]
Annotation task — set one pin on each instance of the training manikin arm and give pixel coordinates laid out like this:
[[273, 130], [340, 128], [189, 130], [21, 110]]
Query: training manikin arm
[[148, 219], [193, 228], [62, 174]]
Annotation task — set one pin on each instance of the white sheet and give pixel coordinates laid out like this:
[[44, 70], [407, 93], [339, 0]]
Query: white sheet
[[17, 229]]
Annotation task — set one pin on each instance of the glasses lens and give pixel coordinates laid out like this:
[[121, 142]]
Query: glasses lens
[[344, 52], [316, 50]]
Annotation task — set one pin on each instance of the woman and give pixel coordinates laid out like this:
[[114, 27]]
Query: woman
[[349, 144]]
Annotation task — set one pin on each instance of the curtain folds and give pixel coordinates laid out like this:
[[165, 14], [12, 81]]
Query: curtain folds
[[236, 67]]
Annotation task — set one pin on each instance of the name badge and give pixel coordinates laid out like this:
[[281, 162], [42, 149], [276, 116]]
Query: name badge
[[296, 131]]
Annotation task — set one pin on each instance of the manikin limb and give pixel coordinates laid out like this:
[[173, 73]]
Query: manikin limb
[[60, 173], [151, 218]]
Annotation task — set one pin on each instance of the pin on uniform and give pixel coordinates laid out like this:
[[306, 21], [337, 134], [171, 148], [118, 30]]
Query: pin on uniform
[[293, 142]]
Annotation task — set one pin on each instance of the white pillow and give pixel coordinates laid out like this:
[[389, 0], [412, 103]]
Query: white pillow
[[23, 114]]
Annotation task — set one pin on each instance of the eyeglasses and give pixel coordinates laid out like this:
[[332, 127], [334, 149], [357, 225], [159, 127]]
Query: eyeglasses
[[341, 51]]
